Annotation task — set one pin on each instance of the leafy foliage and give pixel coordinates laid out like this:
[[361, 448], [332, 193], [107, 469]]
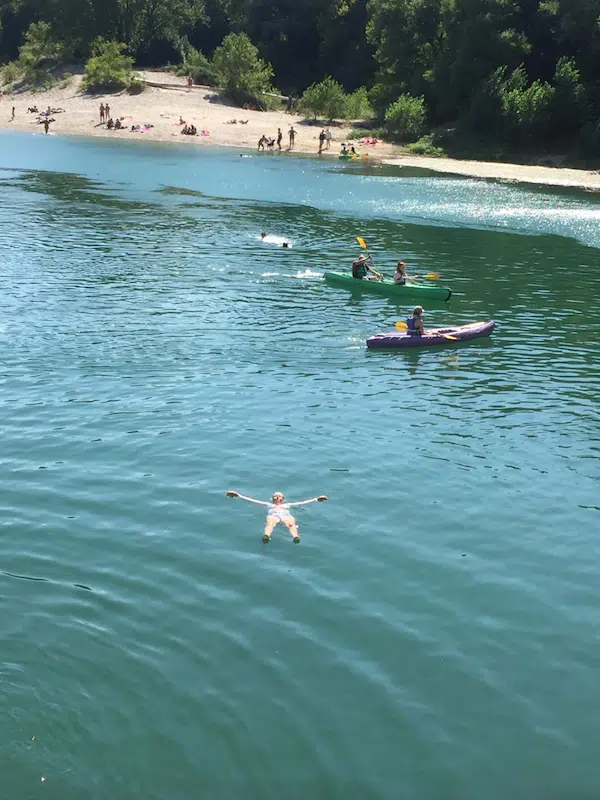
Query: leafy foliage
[[109, 67], [358, 106], [240, 70], [405, 119], [196, 64], [426, 146], [39, 53], [326, 99]]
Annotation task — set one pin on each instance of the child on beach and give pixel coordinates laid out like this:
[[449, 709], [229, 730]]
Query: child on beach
[[279, 511]]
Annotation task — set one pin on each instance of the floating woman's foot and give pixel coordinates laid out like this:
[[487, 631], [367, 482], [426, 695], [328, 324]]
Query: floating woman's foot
[[266, 538], [296, 539]]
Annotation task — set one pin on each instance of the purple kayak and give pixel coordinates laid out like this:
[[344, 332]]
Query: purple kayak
[[435, 336]]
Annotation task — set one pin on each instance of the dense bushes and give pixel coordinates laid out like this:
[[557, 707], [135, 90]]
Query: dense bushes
[[328, 100], [239, 71], [405, 119], [108, 68]]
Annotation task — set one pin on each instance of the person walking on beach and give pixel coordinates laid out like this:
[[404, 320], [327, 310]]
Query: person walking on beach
[[279, 137], [322, 137], [101, 112], [46, 125], [279, 511], [292, 135]]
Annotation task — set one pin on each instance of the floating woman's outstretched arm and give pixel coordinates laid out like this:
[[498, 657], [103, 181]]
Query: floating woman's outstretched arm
[[318, 499], [249, 499]]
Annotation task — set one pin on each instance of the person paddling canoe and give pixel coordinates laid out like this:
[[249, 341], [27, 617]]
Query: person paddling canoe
[[400, 276], [360, 269], [279, 511]]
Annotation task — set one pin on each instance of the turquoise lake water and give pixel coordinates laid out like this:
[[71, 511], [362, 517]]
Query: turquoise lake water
[[435, 634]]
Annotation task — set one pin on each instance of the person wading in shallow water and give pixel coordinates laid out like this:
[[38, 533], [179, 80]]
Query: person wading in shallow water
[[279, 511]]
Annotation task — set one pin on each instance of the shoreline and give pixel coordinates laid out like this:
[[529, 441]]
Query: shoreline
[[168, 99]]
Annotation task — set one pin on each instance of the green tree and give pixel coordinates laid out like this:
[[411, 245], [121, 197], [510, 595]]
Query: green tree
[[109, 67], [240, 71], [358, 106], [326, 98], [39, 53], [405, 119]]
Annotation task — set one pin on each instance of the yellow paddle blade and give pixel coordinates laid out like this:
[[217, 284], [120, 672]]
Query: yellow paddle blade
[[433, 276], [401, 326], [448, 336], [361, 242]]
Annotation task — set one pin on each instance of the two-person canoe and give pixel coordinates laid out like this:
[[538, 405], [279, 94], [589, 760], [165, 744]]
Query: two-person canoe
[[408, 291], [437, 336]]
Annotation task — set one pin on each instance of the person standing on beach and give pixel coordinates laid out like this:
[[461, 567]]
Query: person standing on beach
[[279, 137], [106, 111], [101, 112], [292, 135], [13, 113], [322, 138], [46, 125], [328, 138]]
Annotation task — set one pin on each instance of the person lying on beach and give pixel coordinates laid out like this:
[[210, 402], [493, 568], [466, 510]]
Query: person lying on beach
[[279, 511], [32, 110]]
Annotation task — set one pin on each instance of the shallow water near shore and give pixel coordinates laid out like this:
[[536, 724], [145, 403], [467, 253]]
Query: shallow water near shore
[[435, 633]]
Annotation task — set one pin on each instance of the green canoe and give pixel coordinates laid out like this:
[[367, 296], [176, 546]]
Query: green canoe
[[387, 287]]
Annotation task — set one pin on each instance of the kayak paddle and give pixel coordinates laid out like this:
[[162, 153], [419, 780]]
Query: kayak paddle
[[402, 326]]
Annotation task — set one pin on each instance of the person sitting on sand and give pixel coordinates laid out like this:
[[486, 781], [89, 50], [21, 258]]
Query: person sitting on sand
[[279, 511], [118, 125], [360, 269], [110, 124], [414, 324], [270, 143], [181, 120]]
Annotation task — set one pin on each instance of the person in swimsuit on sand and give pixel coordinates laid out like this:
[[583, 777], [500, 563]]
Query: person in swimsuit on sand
[[279, 511]]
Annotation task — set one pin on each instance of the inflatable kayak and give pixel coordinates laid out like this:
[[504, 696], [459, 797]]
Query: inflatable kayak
[[437, 336], [387, 287]]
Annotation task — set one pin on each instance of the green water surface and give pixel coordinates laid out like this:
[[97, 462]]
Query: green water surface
[[435, 634]]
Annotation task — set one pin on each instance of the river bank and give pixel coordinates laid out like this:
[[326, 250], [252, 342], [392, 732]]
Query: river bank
[[157, 112]]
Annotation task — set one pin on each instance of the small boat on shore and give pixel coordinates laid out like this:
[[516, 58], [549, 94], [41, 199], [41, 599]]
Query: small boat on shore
[[437, 336], [408, 291]]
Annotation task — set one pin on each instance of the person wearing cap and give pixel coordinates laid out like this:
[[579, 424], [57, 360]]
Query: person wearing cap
[[360, 269], [414, 324]]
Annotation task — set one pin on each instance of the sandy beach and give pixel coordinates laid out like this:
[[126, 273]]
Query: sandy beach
[[168, 99]]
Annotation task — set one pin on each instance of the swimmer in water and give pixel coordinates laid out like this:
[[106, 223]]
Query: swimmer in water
[[285, 244], [279, 511], [263, 236]]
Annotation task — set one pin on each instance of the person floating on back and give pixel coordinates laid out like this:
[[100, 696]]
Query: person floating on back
[[279, 511]]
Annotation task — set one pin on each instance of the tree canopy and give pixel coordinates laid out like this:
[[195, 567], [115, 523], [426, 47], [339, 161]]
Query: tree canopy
[[522, 70]]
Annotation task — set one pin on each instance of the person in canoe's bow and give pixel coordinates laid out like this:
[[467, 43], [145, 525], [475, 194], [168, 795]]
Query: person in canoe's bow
[[360, 269], [279, 511], [400, 276]]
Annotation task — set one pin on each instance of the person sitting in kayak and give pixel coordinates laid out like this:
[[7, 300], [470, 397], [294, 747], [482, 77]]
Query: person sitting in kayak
[[360, 269], [414, 324], [400, 276], [279, 511]]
